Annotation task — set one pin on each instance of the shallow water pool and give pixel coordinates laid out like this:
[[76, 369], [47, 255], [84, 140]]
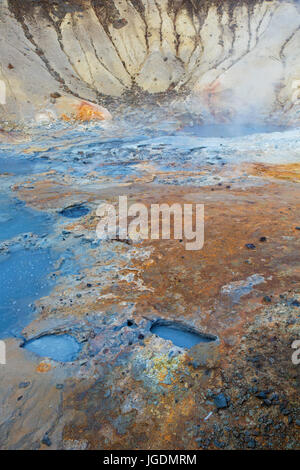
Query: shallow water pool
[[16, 218], [23, 279], [182, 338], [62, 348]]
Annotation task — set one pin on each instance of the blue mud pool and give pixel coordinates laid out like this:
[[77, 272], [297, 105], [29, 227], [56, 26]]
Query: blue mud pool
[[16, 218], [180, 337], [62, 348], [23, 279]]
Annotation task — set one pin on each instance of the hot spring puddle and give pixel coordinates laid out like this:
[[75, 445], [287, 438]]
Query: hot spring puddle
[[16, 218], [227, 130], [23, 279], [182, 338], [62, 348]]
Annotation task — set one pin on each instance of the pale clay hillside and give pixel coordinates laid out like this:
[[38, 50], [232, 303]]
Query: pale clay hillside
[[246, 52]]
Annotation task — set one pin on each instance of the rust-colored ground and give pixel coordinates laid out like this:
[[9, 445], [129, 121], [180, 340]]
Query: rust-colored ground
[[111, 405]]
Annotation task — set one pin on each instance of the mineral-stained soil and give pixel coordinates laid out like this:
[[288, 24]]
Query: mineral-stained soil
[[130, 389]]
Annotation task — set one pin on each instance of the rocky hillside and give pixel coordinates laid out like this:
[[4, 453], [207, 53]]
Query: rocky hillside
[[237, 54]]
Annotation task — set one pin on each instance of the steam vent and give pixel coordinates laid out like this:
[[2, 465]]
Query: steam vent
[[149, 225]]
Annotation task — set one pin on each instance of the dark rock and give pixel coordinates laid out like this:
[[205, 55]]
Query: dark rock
[[221, 401], [46, 440], [267, 299], [251, 444], [263, 239], [55, 95], [59, 386], [250, 246], [295, 303], [261, 395], [219, 444], [267, 402]]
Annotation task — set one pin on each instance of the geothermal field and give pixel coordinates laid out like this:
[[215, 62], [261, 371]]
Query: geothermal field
[[149, 225]]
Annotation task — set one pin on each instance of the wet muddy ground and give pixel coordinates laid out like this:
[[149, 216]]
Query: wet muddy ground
[[87, 367]]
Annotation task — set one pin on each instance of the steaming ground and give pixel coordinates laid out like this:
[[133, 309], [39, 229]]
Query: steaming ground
[[164, 140]]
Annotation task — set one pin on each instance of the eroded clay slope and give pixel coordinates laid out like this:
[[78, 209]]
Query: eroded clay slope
[[241, 54]]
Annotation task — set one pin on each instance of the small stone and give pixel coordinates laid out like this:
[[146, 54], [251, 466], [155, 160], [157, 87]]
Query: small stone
[[295, 303], [46, 440], [251, 444], [59, 386], [250, 246], [263, 239], [221, 401], [55, 95], [267, 402], [261, 395], [219, 444], [267, 299]]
